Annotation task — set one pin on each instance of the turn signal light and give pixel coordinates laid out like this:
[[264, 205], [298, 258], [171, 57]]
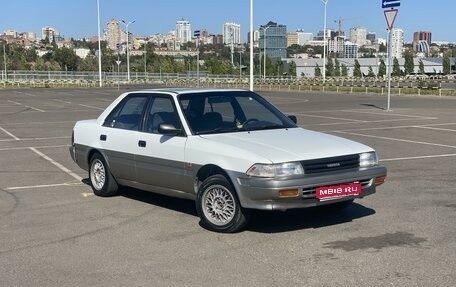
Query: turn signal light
[[380, 180], [288, 193]]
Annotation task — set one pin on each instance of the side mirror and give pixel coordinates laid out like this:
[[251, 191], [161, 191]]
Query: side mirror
[[169, 130], [293, 119]]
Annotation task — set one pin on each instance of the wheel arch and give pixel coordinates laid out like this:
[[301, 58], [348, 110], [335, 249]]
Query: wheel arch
[[209, 170]]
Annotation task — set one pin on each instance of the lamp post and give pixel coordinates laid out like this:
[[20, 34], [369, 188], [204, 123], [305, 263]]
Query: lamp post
[[325, 2], [99, 45], [251, 45], [145, 61], [4, 61], [264, 52], [128, 47]]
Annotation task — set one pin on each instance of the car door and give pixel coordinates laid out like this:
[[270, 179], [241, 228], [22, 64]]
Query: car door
[[119, 135], [160, 158]]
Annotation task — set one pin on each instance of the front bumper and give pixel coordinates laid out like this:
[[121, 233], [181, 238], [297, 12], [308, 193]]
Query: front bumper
[[261, 193]]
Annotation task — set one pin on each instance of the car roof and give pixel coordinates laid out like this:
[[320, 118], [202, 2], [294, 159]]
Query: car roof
[[181, 91]]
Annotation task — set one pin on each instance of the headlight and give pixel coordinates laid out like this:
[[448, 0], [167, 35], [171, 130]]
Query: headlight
[[275, 170], [368, 159]]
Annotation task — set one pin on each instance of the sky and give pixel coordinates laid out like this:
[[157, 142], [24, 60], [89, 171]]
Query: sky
[[78, 18]]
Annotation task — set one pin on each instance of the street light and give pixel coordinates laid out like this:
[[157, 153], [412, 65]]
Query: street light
[[251, 45], [264, 52], [4, 61], [325, 2], [128, 47], [99, 44]]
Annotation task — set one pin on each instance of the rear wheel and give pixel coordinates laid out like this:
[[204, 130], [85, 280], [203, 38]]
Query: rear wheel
[[101, 179], [218, 206]]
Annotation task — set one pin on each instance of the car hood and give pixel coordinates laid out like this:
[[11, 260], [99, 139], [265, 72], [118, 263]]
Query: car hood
[[283, 145]]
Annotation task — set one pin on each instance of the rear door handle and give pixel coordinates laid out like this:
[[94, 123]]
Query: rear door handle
[[142, 143], [103, 137]]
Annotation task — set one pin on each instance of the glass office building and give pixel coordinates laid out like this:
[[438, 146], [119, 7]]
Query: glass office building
[[273, 41]]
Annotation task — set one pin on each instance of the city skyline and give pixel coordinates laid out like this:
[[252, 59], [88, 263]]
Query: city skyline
[[78, 19]]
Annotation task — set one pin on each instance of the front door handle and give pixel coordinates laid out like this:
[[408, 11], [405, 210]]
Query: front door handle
[[142, 143]]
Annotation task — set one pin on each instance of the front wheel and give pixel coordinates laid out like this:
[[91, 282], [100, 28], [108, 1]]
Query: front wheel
[[101, 179], [218, 206]]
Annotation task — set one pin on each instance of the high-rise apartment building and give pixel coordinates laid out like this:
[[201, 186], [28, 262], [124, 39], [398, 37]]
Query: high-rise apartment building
[[113, 35], [183, 31], [422, 41], [231, 33], [299, 38], [423, 36], [273, 41], [397, 42], [49, 33], [358, 36]]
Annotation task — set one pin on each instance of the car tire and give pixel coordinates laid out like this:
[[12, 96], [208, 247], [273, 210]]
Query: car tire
[[218, 206], [102, 182]]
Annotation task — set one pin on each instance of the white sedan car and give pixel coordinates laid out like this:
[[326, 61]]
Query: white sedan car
[[229, 150]]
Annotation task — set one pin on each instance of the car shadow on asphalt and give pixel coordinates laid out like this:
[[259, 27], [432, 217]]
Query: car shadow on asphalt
[[262, 221], [299, 219]]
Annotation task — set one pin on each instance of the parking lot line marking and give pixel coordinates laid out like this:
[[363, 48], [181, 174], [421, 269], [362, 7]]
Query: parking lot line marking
[[29, 147], [91, 107], [17, 103], [38, 110], [61, 101], [38, 123], [43, 186], [437, 129], [399, 140], [10, 134], [389, 114], [61, 167], [362, 122], [104, 100], [398, 127], [24, 93], [418, 157], [33, 139], [333, 118]]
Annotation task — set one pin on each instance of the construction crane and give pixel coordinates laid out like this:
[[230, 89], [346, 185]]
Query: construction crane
[[339, 24]]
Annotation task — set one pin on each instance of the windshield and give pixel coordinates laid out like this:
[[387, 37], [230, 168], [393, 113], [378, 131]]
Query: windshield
[[230, 111]]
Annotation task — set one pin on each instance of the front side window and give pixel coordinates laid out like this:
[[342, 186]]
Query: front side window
[[128, 113], [161, 111]]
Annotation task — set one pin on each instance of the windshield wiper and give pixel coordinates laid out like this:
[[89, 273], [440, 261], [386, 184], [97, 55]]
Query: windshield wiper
[[266, 127], [217, 130]]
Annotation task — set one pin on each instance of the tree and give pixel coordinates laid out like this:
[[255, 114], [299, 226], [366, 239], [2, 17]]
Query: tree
[[370, 72], [409, 66], [336, 67], [344, 70], [67, 59], [317, 71], [292, 68], [447, 62], [382, 69], [421, 67], [357, 69], [329, 68], [396, 68]]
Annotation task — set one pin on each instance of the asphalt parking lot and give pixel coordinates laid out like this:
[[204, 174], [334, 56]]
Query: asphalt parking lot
[[55, 232]]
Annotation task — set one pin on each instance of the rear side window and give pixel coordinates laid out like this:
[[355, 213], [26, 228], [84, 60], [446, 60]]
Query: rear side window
[[128, 113]]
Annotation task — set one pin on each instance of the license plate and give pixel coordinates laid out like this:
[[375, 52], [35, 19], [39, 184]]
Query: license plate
[[337, 191]]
